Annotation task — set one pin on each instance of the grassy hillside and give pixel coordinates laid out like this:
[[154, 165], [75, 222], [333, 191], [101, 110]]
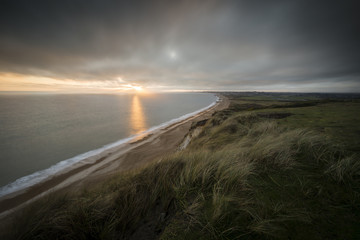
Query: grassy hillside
[[277, 167]]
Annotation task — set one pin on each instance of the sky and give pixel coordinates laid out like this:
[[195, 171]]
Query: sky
[[239, 45]]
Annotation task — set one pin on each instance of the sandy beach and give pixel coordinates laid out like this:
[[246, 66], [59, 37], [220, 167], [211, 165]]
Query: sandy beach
[[127, 156]]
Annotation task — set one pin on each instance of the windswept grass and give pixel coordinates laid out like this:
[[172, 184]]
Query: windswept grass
[[243, 177]]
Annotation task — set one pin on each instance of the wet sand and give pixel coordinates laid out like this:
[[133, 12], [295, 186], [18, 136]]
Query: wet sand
[[125, 157]]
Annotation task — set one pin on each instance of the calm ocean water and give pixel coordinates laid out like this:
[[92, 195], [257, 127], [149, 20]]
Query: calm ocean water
[[39, 131]]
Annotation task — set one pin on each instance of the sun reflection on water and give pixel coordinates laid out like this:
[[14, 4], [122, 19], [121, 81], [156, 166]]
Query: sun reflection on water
[[137, 117]]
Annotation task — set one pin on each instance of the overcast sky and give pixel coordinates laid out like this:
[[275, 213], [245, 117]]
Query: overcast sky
[[277, 45]]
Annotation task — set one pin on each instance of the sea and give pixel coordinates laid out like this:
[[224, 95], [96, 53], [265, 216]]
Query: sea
[[41, 134]]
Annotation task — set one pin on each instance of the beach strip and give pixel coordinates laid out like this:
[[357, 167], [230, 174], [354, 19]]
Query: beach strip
[[127, 156]]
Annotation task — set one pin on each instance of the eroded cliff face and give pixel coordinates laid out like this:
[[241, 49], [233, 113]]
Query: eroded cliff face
[[194, 131]]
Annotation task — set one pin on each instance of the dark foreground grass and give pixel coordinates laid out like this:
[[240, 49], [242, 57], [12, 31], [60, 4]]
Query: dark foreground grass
[[244, 177]]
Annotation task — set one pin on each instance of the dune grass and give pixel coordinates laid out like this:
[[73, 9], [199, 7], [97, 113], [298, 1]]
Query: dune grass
[[243, 177]]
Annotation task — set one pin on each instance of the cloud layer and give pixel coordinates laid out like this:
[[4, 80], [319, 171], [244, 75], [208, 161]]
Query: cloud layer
[[210, 45]]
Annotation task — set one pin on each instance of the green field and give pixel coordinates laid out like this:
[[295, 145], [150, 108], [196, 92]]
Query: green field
[[280, 166], [336, 118]]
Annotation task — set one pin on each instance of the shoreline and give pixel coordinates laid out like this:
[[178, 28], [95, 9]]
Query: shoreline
[[92, 155], [131, 154]]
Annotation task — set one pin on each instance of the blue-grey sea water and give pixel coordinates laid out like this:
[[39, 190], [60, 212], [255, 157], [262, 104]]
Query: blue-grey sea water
[[39, 131]]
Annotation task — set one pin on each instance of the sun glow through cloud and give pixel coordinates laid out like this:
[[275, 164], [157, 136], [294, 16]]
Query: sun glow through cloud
[[172, 54]]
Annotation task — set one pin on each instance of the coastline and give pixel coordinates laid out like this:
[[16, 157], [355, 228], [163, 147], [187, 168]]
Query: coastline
[[131, 154]]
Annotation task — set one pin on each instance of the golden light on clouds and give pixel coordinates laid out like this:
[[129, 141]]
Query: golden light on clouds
[[19, 82]]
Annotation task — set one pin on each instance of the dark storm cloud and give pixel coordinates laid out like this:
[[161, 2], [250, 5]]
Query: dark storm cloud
[[218, 44]]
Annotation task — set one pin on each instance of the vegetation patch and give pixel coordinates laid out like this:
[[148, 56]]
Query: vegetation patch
[[275, 115]]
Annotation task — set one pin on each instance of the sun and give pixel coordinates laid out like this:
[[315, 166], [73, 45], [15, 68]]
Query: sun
[[172, 54], [133, 87], [137, 88]]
